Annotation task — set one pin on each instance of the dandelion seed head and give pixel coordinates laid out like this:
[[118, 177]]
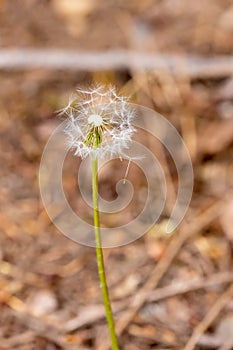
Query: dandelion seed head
[[95, 119], [99, 122]]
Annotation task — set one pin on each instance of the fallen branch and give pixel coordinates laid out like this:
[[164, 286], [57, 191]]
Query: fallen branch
[[210, 341], [190, 285], [188, 65]]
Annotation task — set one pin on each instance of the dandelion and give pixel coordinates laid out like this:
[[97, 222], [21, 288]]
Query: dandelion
[[99, 123]]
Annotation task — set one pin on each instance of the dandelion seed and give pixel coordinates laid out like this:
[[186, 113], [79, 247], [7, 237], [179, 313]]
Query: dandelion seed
[[126, 171], [99, 123]]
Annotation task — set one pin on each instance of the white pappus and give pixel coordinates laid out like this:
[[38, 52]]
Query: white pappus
[[99, 122]]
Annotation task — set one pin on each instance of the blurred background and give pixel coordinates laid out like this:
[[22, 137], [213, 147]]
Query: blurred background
[[175, 57]]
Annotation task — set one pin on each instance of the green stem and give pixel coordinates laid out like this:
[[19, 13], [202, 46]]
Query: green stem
[[99, 256]]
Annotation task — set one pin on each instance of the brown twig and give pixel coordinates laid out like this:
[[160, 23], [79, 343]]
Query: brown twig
[[221, 302], [16, 340], [91, 314], [209, 341], [227, 346], [188, 65], [95, 313], [191, 285]]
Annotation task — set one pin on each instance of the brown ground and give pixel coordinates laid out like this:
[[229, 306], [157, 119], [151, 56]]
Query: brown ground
[[183, 284]]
